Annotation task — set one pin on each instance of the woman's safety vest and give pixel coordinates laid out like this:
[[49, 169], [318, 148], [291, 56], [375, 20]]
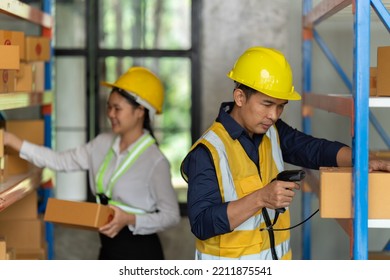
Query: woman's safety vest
[[139, 147], [237, 177]]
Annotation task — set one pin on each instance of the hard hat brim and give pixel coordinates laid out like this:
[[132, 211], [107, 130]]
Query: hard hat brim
[[107, 84]]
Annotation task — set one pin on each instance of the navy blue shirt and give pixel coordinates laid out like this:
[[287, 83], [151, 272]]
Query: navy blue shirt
[[206, 212]]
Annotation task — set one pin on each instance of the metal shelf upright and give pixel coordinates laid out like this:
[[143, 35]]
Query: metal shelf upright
[[356, 106]]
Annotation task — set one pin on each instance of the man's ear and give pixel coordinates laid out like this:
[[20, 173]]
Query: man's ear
[[239, 97]]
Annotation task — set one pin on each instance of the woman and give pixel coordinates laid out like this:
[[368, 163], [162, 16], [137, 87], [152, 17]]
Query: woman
[[127, 170]]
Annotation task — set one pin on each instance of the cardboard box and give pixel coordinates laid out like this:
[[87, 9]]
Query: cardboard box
[[30, 130], [11, 254], [385, 255], [1, 142], [9, 57], [381, 154], [38, 79], [3, 249], [336, 193], [7, 80], [37, 48], [14, 165], [30, 254], [373, 75], [383, 71], [24, 209], [84, 215], [24, 78], [3, 175], [23, 234], [14, 38]]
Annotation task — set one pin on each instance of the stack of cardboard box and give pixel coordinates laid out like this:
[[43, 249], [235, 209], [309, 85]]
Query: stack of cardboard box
[[11, 44], [22, 61], [22, 230]]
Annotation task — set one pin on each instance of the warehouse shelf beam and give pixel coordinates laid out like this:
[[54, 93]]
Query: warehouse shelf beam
[[24, 99], [323, 11], [379, 102], [341, 104], [26, 12], [17, 187]]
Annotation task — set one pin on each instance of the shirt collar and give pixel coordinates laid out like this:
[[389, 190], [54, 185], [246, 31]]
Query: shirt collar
[[115, 144], [234, 129]]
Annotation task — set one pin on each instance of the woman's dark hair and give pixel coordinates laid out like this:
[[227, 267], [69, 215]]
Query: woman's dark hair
[[132, 101]]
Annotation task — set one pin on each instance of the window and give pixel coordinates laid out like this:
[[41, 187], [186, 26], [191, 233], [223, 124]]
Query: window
[[112, 35]]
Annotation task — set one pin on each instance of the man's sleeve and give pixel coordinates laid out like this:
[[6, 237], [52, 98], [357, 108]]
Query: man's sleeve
[[206, 212], [304, 150]]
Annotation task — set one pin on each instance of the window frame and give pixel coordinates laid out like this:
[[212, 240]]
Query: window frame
[[93, 53]]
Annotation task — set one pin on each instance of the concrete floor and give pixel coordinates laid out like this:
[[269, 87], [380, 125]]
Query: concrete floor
[[78, 244]]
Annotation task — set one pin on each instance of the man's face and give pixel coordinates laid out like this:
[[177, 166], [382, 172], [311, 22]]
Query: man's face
[[258, 113]]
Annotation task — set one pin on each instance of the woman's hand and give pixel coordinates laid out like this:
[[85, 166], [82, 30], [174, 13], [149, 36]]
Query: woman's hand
[[12, 141], [120, 220]]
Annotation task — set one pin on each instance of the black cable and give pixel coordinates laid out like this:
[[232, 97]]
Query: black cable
[[270, 228], [270, 233]]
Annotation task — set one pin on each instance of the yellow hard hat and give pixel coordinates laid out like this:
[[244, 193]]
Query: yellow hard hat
[[267, 71], [143, 85]]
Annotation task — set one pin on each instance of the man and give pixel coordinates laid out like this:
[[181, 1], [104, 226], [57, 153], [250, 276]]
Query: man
[[232, 196]]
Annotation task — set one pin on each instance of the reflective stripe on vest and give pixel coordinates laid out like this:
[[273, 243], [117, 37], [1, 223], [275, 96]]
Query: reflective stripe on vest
[[281, 249], [276, 151], [230, 193], [133, 154]]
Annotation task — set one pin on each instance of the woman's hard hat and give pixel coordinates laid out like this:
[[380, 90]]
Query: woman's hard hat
[[144, 86]]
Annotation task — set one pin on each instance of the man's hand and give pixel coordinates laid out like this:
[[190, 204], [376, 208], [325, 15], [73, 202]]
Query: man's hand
[[278, 194], [379, 165]]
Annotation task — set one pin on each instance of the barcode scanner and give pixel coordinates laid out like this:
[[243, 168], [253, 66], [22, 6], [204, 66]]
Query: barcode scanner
[[289, 176]]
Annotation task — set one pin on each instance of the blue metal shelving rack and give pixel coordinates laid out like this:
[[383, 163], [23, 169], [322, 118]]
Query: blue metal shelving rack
[[359, 89], [47, 189], [43, 19]]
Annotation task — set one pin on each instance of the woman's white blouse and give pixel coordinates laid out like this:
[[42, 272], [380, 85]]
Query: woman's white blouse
[[146, 185]]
